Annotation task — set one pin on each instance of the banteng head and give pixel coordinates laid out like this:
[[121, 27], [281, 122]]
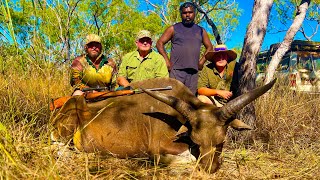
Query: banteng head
[[209, 123]]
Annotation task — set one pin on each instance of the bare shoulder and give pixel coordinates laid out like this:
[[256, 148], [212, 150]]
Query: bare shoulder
[[169, 31]]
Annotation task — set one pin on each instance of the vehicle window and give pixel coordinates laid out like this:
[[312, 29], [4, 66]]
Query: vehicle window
[[262, 62], [316, 59], [261, 67], [284, 63], [306, 60]]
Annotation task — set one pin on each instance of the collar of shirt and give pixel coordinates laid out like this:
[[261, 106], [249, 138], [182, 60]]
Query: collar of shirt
[[137, 55], [103, 61], [216, 72]]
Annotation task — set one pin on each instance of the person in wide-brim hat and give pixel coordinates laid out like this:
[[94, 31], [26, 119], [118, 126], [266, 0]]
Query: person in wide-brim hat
[[211, 55], [217, 79]]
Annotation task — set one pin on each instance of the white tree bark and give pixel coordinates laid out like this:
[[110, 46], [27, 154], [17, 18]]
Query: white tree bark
[[252, 43], [286, 43]]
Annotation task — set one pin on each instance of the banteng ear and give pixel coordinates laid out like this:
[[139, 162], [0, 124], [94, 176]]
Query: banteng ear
[[239, 125]]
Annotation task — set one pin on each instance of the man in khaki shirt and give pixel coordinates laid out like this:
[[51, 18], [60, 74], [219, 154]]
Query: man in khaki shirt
[[218, 79], [142, 63]]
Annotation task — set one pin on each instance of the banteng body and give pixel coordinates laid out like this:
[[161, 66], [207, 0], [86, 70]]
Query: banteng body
[[146, 124]]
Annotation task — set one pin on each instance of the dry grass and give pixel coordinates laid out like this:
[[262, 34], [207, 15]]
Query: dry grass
[[287, 138]]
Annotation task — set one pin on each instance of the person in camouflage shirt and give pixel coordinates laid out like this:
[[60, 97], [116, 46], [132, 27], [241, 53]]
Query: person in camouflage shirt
[[93, 69], [219, 78]]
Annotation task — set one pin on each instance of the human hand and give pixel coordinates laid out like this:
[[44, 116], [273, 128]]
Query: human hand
[[169, 65], [225, 94], [77, 93]]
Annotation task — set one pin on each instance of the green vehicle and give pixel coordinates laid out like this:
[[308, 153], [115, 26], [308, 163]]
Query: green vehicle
[[299, 67]]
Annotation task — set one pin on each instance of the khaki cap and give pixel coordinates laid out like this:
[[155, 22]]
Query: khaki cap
[[92, 38], [142, 34]]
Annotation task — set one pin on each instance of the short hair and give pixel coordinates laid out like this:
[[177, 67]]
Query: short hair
[[186, 5]]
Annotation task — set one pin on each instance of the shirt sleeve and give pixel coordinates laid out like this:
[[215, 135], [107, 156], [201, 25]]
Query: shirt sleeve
[[161, 69], [122, 68], [203, 78], [76, 75]]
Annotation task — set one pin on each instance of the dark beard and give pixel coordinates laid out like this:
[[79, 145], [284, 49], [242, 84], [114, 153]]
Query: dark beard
[[187, 24], [93, 56]]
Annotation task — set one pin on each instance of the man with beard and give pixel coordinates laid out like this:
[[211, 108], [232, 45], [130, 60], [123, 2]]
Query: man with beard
[[186, 38], [92, 69]]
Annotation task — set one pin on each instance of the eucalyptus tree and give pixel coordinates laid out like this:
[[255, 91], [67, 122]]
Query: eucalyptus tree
[[254, 37], [55, 29], [117, 22], [285, 11]]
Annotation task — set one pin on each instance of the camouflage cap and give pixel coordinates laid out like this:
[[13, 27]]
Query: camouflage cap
[[92, 38], [142, 34]]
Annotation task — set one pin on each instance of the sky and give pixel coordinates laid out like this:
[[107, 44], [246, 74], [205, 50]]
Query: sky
[[238, 35]]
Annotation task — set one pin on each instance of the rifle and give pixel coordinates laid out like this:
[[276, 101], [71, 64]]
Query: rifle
[[97, 96], [95, 89]]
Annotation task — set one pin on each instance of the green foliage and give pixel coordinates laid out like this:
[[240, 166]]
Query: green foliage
[[54, 30], [286, 12]]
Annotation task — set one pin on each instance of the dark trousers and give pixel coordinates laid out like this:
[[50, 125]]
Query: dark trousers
[[189, 77]]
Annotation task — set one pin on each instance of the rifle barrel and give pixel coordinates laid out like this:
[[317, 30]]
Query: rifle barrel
[[154, 89], [95, 89]]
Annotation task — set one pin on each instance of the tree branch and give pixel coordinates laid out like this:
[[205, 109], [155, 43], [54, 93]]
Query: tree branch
[[210, 22], [286, 43]]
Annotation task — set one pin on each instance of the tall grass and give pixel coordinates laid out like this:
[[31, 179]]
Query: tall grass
[[286, 138]]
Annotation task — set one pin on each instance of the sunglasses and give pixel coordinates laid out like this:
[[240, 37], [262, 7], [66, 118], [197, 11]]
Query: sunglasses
[[145, 39], [94, 45]]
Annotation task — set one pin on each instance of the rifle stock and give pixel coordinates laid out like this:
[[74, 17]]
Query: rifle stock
[[59, 102], [100, 95]]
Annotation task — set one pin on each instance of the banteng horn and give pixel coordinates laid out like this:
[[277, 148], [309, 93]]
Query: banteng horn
[[182, 107], [235, 105]]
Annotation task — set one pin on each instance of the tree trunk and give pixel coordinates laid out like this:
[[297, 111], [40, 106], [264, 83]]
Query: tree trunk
[[247, 73], [286, 43]]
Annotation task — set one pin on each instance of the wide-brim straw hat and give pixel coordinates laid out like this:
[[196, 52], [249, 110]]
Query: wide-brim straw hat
[[211, 55]]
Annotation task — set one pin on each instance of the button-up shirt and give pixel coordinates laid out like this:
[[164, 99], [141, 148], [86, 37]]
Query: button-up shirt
[[209, 77], [134, 68]]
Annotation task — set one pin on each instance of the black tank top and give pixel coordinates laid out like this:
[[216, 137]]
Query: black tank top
[[186, 44]]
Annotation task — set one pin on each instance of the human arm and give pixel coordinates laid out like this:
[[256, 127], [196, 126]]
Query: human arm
[[112, 63], [215, 92], [161, 68], [166, 36], [208, 45], [204, 87], [122, 81], [122, 74], [76, 74]]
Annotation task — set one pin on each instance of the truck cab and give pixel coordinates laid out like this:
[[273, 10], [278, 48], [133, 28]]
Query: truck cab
[[299, 67]]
